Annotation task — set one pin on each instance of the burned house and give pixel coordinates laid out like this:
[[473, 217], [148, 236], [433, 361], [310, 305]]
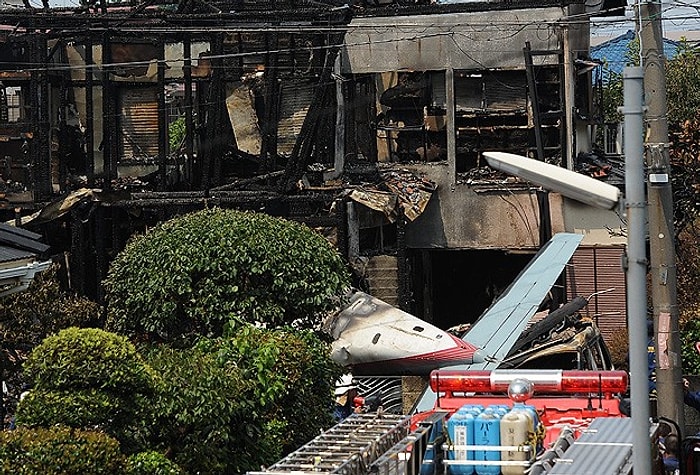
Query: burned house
[[365, 120]]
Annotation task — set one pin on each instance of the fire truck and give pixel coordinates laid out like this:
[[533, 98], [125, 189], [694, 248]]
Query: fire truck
[[487, 422]]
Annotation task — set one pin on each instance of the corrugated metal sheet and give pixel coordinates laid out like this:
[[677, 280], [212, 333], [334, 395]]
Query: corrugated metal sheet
[[139, 123], [605, 448], [494, 90], [599, 269], [296, 98], [8, 254]]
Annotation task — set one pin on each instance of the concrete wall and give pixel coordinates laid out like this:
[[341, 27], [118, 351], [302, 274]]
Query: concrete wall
[[599, 227], [475, 40], [489, 215]]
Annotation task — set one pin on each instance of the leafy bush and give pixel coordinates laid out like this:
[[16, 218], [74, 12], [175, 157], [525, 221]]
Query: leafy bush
[[86, 378], [59, 451], [294, 376], [78, 358], [690, 334], [176, 134], [202, 272], [230, 405], [196, 412], [152, 463]]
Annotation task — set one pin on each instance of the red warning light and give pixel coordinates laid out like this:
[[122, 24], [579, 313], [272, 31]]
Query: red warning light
[[544, 381]]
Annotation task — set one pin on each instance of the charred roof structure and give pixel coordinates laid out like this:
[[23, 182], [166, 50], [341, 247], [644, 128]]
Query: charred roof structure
[[365, 119]]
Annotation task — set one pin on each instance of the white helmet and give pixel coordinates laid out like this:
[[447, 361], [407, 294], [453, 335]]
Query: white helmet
[[344, 384]]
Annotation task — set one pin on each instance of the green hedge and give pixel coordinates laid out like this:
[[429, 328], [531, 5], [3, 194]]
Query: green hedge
[[88, 358], [59, 451], [152, 463]]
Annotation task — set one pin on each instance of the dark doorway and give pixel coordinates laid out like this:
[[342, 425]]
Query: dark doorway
[[452, 287]]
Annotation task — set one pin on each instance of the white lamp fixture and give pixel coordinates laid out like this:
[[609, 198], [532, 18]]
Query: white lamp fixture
[[553, 178]]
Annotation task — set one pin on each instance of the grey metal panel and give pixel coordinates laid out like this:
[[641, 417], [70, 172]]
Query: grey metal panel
[[8, 254], [605, 448], [495, 90], [462, 41]]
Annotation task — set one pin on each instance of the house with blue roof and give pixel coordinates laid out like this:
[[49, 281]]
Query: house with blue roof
[[614, 53]]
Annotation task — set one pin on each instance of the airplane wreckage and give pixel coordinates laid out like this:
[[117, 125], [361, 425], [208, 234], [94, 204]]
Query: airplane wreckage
[[375, 340]]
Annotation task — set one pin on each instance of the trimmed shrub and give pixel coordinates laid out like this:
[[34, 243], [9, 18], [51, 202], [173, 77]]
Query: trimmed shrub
[[203, 272], [86, 358], [87, 378], [59, 451], [293, 378]]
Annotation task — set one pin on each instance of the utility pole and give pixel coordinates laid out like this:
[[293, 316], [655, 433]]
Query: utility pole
[[636, 269], [661, 229]]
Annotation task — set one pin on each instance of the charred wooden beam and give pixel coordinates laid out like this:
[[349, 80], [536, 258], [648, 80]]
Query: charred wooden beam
[[268, 149], [403, 270], [90, 113], [162, 121], [109, 119], [78, 257], [189, 122], [313, 135], [41, 127], [248, 181], [65, 138]]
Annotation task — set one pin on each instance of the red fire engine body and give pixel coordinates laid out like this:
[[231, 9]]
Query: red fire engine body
[[561, 398]]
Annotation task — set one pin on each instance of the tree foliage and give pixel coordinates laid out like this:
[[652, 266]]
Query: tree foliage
[[152, 463], [213, 269], [230, 405], [86, 378], [683, 85]]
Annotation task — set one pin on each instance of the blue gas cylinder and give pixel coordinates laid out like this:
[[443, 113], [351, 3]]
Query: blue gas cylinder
[[487, 432], [460, 428], [501, 409]]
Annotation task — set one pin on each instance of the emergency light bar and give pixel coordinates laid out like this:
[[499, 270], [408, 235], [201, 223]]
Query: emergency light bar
[[544, 381]]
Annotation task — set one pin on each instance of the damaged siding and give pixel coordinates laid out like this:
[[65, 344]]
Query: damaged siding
[[296, 98], [599, 269], [138, 118]]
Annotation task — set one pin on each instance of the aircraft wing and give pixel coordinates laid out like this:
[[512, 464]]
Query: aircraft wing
[[498, 328]]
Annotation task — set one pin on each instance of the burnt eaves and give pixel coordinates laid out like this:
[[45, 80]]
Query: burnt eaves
[[457, 6]]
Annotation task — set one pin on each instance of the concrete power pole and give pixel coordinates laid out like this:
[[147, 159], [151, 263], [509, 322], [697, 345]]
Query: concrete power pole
[[661, 229]]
